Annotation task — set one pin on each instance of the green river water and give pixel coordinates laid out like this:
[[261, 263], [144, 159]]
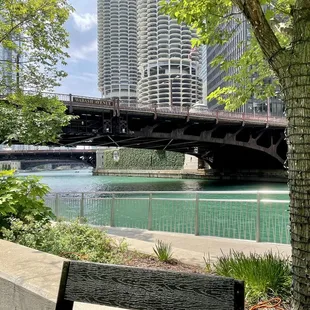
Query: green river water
[[220, 214]]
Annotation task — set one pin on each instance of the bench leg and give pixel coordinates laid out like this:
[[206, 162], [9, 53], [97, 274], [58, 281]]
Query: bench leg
[[64, 305], [61, 303]]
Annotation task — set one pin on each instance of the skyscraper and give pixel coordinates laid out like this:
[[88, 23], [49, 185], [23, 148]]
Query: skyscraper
[[168, 67], [140, 48], [8, 73], [117, 49], [213, 76]]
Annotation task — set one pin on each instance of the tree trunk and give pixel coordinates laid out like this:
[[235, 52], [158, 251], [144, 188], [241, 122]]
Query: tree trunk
[[292, 66], [295, 80], [298, 134]]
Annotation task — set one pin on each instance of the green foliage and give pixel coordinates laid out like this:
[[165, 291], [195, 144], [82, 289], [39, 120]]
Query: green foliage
[[250, 80], [33, 31], [22, 198], [216, 22], [267, 275], [70, 240], [143, 159], [35, 40], [208, 264], [163, 251], [32, 119]]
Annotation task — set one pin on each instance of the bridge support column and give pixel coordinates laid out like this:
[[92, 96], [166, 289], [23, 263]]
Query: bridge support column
[[190, 162], [99, 160]]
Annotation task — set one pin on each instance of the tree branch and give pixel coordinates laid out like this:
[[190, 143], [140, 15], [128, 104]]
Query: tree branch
[[20, 23], [262, 30]]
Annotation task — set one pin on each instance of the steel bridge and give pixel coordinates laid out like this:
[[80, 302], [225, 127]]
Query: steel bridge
[[32, 158], [225, 140]]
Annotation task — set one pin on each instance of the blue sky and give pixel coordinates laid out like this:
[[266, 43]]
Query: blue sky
[[82, 65]]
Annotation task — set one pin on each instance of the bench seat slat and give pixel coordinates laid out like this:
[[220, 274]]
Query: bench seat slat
[[137, 288]]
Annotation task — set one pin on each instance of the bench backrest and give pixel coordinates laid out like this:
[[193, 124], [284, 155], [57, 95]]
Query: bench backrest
[[137, 288]]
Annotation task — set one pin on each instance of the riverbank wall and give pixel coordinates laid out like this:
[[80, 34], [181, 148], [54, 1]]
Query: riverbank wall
[[147, 163], [172, 174], [138, 159], [164, 164], [273, 176]]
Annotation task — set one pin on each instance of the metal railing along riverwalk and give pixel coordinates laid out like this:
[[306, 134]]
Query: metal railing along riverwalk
[[251, 215]]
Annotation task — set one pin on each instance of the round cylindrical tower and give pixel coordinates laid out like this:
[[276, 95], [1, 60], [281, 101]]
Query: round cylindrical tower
[[117, 49], [168, 66]]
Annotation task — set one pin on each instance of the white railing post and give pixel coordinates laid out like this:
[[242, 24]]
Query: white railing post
[[258, 218], [197, 215], [149, 224], [112, 220], [82, 202], [57, 206]]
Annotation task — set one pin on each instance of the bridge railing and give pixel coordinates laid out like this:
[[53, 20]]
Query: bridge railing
[[41, 148], [252, 215], [182, 111]]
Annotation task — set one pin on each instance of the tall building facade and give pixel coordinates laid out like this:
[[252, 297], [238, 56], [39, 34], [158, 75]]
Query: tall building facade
[[117, 49], [204, 73], [213, 76], [168, 67], [7, 70]]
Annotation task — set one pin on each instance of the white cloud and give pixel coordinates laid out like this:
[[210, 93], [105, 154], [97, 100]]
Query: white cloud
[[84, 52], [84, 22]]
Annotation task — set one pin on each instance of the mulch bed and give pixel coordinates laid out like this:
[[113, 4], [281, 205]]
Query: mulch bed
[[136, 259]]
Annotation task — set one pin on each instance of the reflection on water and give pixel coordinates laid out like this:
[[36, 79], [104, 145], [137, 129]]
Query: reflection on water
[[84, 181]]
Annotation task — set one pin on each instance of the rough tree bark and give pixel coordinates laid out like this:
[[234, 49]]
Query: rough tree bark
[[292, 66], [295, 80]]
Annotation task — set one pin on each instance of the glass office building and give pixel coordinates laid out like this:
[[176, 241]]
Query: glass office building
[[213, 76]]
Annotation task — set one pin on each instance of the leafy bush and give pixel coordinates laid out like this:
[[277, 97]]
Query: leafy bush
[[22, 198], [163, 251], [265, 275], [70, 240]]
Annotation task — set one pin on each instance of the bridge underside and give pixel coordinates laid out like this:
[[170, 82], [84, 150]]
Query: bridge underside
[[30, 160], [222, 144], [29, 164]]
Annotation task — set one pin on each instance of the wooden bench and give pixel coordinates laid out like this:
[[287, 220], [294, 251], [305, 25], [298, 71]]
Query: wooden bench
[[137, 288]]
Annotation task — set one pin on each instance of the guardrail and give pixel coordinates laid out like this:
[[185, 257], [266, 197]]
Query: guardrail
[[21, 151], [252, 215], [181, 111]]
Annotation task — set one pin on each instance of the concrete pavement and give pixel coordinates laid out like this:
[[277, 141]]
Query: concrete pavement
[[191, 249]]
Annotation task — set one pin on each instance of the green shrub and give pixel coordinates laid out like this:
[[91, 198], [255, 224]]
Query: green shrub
[[267, 275], [22, 198], [163, 251], [70, 240]]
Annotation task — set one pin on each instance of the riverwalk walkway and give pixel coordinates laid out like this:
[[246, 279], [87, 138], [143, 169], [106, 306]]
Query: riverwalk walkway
[[40, 272], [191, 249]]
